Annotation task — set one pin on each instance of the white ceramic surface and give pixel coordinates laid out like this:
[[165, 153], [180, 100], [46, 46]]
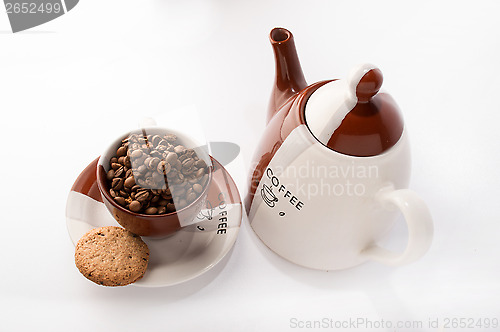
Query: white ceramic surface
[[325, 210], [330, 103]]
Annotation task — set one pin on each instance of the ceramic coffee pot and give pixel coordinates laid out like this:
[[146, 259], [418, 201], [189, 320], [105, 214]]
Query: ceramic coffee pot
[[331, 173]]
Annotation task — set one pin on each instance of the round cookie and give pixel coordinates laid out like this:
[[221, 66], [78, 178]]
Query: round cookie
[[111, 256]]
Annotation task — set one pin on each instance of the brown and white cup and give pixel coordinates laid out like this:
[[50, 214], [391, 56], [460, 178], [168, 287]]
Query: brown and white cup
[[157, 225]]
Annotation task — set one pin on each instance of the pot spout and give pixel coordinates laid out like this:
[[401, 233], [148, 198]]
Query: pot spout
[[289, 77]]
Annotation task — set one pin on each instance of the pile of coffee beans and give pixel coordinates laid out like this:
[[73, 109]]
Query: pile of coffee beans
[[155, 174]]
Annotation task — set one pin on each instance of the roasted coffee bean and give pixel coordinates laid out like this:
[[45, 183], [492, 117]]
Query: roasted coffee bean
[[112, 193], [121, 160], [142, 169], [151, 210], [156, 154], [129, 182], [134, 206], [179, 149], [156, 139], [129, 173], [197, 188], [187, 171], [162, 202], [163, 167], [136, 154], [142, 196], [120, 200], [153, 163], [162, 209], [122, 150], [191, 197], [113, 160], [170, 138], [170, 207], [155, 199], [119, 172], [179, 192], [171, 157], [173, 173], [200, 172], [110, 175], [115, 166], [187, 163], [140, 161], [117, 184], [204, 180], [157, 181], [150, 183], [140, 182], [200, 163], [156, 191]]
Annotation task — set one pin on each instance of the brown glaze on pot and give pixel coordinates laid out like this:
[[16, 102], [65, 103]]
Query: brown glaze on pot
[[289, 77], [373, 126], [288, 117]]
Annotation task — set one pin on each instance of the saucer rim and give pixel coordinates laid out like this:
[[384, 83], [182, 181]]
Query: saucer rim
[[228, 241]]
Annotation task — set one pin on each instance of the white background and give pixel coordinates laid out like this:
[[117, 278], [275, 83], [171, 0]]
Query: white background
[[69, 87]]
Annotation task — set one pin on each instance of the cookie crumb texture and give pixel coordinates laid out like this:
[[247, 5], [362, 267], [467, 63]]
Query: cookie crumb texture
[[111, 256]]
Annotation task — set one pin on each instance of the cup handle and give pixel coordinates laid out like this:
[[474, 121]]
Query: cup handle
[[420, 227]]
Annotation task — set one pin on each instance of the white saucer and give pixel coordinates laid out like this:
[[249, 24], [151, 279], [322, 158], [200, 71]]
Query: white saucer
[[182, 256]]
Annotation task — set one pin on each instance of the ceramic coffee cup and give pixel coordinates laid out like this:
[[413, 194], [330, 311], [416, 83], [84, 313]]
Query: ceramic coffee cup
[[157, 225]]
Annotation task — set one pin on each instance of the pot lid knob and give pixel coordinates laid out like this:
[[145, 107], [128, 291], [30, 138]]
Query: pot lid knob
[[350, 116]]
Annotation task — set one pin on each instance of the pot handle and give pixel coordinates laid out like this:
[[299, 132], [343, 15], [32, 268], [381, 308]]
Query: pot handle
[[420, 227]]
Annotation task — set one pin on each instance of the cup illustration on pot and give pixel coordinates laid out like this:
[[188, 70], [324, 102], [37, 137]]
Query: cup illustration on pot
[[331, 172], [268, 196]]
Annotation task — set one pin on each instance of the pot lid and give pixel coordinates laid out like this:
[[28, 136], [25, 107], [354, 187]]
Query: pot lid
[[351, 117]]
